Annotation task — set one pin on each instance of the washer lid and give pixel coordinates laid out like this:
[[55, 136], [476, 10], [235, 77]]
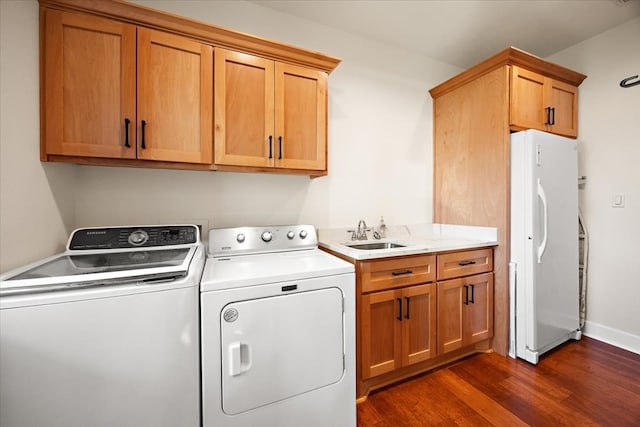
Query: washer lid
[[259, 269], [72, 270]]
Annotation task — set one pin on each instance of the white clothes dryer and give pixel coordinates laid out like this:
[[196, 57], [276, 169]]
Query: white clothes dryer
[[278, 330]]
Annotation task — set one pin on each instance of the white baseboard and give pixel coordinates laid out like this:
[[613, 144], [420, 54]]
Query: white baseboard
[[613, 336]]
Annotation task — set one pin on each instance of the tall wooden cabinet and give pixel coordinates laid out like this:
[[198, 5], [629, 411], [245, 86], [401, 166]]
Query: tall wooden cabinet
[[474, 114], [269, 114], [117, 91]]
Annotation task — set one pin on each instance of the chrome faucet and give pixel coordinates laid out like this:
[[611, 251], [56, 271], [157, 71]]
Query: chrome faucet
[[361, 233]]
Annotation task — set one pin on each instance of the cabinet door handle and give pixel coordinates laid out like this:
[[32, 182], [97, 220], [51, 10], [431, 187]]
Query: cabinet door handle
[[466, 295], [271, 146], [126, 132], [468, 262], [553, 116], [472, 300], [399, 309], [144, 125], [279, 147], [548, 111], [406, 316], [400, 273]]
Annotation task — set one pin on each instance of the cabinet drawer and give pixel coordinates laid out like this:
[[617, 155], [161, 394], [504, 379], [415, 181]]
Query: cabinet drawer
[[465, 263], [396, 272]]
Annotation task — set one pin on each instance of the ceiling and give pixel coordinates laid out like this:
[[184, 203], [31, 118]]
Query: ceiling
[[464, 32]]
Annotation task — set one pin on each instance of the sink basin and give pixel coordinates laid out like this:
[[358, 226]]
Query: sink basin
[[375, 245]]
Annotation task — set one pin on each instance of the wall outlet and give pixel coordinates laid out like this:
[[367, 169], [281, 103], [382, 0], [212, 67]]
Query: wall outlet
[[617, 201]]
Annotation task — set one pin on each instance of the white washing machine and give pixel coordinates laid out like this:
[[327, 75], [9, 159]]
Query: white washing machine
[[277, 330], [105, 334]]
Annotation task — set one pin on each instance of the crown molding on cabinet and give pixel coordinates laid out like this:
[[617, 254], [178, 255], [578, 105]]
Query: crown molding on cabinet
[[201, 31], [510, 56]]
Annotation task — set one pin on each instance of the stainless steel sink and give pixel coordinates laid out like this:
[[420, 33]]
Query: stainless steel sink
[[375, 245]]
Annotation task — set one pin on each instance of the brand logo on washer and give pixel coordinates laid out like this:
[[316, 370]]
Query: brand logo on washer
[[230, 315]]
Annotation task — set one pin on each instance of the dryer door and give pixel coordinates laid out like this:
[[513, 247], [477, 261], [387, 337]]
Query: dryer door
[[278, 347]]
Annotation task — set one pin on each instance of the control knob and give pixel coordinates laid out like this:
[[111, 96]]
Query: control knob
[[240, 237], [266, 236], [291, 235], [138, 238], [303, 234]]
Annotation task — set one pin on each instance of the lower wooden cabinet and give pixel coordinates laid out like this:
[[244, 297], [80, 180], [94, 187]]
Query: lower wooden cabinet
[[398, 328], [465, 311], [417, 312]]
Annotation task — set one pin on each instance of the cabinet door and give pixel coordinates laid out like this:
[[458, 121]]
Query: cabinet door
[[244, 110], [90, 86], [527, 100], [418, 323], [450, 315], [175, 98], [563, 98], [478, 313], [381, 333], [300, 117]]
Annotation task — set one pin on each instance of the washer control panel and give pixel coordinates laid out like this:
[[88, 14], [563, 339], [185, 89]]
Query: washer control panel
[[254, 240], [133, 237]]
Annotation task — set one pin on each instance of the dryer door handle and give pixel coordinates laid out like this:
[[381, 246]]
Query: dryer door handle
[[239, 358]]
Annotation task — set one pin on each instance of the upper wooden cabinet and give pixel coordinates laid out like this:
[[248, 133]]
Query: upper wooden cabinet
[[269, 114], [116, 91], [126, 85], [540, 102]]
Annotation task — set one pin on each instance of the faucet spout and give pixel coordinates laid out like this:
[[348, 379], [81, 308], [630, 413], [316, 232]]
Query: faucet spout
[[361, 232]]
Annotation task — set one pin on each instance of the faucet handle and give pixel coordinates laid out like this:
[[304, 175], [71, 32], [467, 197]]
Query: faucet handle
[[354, 236]]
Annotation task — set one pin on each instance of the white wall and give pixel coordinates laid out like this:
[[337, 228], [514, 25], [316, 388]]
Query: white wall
[[379, 116], [37, 209], [609, 152], [379, 145]]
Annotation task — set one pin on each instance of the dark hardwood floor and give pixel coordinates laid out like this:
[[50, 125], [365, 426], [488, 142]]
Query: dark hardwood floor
[[581, 383]]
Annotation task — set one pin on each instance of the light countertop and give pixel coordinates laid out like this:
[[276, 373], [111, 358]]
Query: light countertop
[[417, 239]]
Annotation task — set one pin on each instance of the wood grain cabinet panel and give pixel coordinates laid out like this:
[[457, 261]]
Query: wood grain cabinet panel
[[175, 98], [114, 90], [465, 311], [269, 114], [398, 328], [541, 102], [89, 86]]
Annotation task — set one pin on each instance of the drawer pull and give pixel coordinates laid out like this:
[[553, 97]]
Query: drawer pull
[[400, 273], [468, 262]]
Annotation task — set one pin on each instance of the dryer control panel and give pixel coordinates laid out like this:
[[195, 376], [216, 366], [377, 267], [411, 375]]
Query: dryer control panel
[[255, 240]]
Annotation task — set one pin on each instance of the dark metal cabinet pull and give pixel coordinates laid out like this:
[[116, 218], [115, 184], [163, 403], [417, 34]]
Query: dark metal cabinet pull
[[126, 132], [468, 262], [271, 146], [406, 316], [472, 300], [548, 111], [553, 116], [466, 295], [399, 309], [144, 125], [279, 147], [400, 273]]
